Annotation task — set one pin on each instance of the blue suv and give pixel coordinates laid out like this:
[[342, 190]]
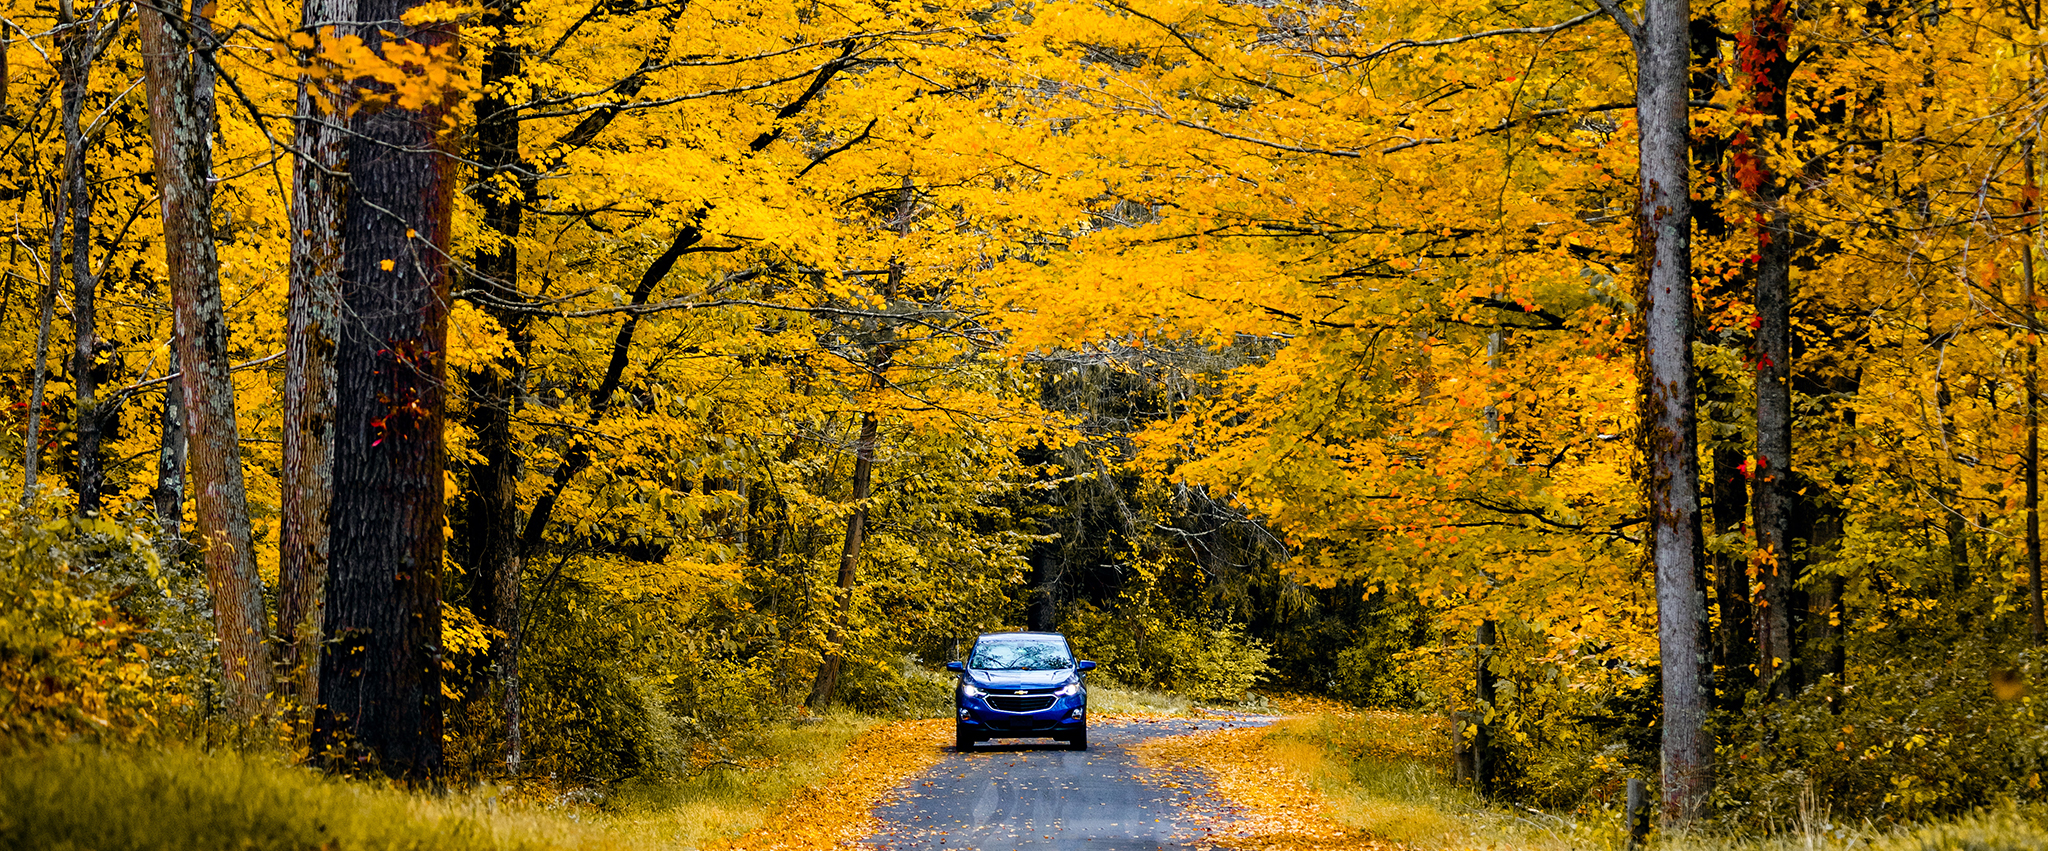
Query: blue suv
[[1020, 685]]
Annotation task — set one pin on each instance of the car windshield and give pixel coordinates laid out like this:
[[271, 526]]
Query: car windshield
[[1028, 655]]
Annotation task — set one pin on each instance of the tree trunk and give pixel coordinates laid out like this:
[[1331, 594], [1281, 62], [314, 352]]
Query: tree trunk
[[169, 495], [1769, 69], [1736, 643], [380, 675], [1951, 493], [78, 47], [1773, 463], [32, 438], [2037, 627], [180, 83], [313, 315], [1483, 762], [849, 563], [1668, 429], [495, 558]]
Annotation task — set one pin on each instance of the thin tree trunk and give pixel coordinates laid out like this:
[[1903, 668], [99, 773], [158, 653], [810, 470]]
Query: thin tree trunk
[[2036, 627], [1769, 68], [313, 317], [77, 48], [31, 449], [380, 676], [849, 563], [1483, 762], [1951, 493], [169, 495], [1737, 642], [180, 85], [1773, 464], [1668, 429], [495, 559]]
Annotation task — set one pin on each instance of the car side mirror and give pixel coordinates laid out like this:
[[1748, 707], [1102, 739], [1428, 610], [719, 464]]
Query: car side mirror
[[1084, 666], [955, 667]]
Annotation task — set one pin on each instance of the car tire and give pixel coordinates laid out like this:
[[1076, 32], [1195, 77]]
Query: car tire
[[1078, 741], [963, 741]]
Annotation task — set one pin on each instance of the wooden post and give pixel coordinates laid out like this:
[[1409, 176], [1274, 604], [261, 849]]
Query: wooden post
[[1637, 814]]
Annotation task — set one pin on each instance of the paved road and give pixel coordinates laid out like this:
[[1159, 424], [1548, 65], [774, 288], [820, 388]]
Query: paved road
[[1019, 794]]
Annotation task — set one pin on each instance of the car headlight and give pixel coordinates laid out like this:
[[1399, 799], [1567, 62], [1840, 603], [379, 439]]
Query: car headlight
[[968, 690], [1069, 690]]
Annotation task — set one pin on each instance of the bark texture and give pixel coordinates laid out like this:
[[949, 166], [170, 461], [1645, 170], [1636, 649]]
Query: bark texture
[[1669, 436], [312, 320], [180, 83], [380, 673]]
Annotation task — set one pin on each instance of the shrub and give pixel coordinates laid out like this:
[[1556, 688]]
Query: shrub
[[1922, 738], [1161, 651], [91, 642]]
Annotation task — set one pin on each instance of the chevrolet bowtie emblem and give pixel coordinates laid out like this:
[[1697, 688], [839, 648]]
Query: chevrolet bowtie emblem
[[1023, 692]]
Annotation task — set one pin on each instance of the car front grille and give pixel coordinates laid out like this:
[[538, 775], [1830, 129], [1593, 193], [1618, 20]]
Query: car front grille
[[1020, 702]]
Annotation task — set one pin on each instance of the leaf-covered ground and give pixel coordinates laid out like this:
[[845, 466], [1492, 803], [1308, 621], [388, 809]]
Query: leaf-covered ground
[[1252, 801], [840, 810]]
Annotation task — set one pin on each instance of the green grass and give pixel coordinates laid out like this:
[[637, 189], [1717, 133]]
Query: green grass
[[169, 800]]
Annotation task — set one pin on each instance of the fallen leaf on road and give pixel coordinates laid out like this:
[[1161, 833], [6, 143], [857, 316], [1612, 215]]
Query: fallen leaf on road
[[1258, 805], [839, 811]]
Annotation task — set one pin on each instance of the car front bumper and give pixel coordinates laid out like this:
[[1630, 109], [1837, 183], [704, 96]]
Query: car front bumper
[[1065, 715]]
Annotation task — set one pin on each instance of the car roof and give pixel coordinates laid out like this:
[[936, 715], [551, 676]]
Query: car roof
[[1005, 636]]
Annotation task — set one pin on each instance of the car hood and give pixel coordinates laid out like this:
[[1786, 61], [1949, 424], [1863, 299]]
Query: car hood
[[1020, 679]]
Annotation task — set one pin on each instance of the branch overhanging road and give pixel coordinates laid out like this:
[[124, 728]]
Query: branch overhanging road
[[1014, 795]]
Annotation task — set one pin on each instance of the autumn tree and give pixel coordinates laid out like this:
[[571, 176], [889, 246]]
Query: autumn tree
[[380, 673], [177, 48]]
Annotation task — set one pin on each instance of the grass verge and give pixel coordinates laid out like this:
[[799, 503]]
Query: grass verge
[[813, 789], [1351, 780], [1334, 779]]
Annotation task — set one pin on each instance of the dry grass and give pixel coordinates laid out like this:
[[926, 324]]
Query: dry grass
[[812, 787], [840, 810], [1343, 779], [1108, 699]]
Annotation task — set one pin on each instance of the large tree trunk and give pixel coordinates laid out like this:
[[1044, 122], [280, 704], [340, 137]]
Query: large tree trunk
[[312, 320], [380, 675], [180, 83], [1670, 440], [849, 564]]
